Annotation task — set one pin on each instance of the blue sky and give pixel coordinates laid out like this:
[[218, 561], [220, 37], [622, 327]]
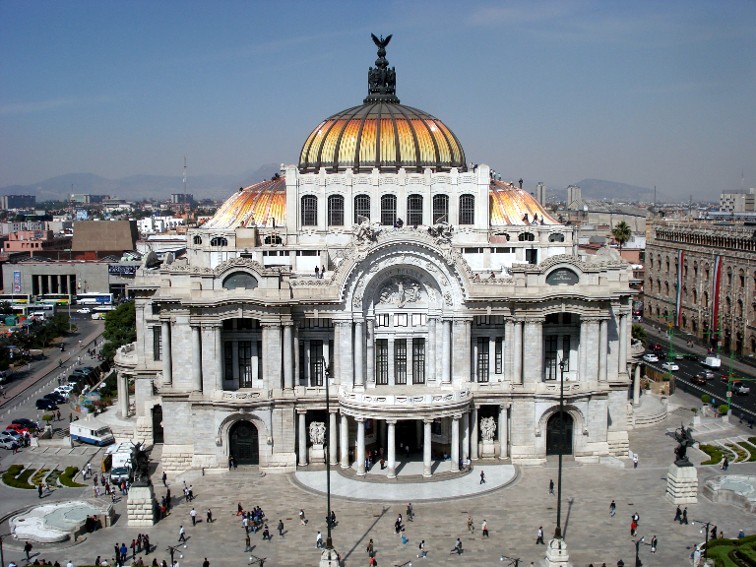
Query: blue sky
[[645, 93]]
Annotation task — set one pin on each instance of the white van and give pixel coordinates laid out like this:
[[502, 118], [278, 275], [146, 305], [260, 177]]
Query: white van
[[87, 431]]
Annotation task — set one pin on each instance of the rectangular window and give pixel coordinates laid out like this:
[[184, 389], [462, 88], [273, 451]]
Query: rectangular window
[[245, 364], [531, 256], [316, 363], [498, 355], [157, 343], [418, 361], [302, 377], [566, 352], [550, 361], [482, 362], [400, 320], [381, 361], [228, 361], [419, 319], [259, 360], [400, 361], [382, 320]]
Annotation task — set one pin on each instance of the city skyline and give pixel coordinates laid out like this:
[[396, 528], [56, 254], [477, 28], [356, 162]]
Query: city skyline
[[648, 94]]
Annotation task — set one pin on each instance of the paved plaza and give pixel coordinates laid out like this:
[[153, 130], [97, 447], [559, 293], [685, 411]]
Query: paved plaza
[[515, 501]]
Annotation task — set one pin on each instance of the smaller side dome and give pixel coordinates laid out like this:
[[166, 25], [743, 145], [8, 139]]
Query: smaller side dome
[[261, 204]]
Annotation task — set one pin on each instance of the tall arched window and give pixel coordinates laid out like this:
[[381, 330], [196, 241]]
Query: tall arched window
[[335, 210], [466, 209], [309, 210], [197, 239], [388, 210], [219, 241], [441, 209], [414, 210], [361, 208]]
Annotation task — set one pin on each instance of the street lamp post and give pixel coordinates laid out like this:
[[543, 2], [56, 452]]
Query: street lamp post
[[327, 372], [558, 530], [706, 528], [638, 562]]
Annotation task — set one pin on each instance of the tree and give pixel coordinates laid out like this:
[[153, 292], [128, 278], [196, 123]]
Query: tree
[[120, 329], [621, 233], [639, 333]]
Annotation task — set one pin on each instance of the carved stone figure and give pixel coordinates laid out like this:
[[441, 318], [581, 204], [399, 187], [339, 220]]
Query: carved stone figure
[[684, 440], [400, 292], [317, 433], [487, 428], [441, 231], [140, 465], [365, 232]]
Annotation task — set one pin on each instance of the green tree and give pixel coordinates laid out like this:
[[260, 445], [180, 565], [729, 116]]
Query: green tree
[[120, 329], [621, 233], [639, 333]]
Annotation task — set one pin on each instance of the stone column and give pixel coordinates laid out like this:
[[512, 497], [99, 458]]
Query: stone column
[[345, 352], [446, 351], [332, 438], [637, 385], [517, 362], [219, 358], [455, 443], [302, 432], [359, 375], [427, 447], [508, 346], [474, 434], [123, 394], [391, 448], [271, 339], [533, 337], [370, 362], [603, 350], [360, 446], [430, 352], [503, 432], [583, 351], [391, 361], [465, 436], [288, 357], [196, 359], [344, 443], [165, 331], [622, 366]]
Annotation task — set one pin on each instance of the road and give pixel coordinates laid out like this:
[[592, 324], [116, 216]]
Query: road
[[742, 405]]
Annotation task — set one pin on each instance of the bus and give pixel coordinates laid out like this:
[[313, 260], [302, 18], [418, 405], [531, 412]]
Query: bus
[[94, 298], [54, 298], [41, 310], [15, 298]]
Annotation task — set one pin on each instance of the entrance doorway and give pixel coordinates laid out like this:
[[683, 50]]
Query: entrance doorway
[[157, 424], [244, 444], [556, 442]]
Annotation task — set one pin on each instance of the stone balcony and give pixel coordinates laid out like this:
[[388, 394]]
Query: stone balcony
[[126, 357]]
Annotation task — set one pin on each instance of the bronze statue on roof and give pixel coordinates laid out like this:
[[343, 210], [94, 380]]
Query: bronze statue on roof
[[381, 78]]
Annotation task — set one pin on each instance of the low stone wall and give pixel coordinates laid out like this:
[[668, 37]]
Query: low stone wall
[[736, 490]]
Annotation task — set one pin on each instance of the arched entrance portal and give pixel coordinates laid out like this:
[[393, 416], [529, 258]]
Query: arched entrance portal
[[243, 443], [556, 442]]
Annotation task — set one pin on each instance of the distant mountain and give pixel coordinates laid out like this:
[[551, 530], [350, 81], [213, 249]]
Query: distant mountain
[[603, 190], [136, 187]]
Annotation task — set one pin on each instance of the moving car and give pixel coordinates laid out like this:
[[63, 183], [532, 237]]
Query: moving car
[[44, 404], [84, 310], [690, 356], [650, 357], [740, 388], [698, 379], [670, 366]]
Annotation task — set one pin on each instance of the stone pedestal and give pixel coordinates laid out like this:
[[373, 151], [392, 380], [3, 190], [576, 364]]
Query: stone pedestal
[[682, 484], [556, 554], [317, 454], [330, 558], [140, 507], [487, 449]]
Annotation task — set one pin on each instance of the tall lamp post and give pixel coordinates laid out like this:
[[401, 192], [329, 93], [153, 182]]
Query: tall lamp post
[[706, 528], [329, 558], [558, 530]]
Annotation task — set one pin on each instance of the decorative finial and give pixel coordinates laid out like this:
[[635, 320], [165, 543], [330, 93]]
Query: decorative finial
[[381, 78]]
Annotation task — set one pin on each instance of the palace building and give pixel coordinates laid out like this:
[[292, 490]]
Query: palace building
[[439, 307]]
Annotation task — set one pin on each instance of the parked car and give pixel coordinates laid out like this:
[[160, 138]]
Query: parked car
[[670, 366], [17, 427], [8, 443], [55, 397], [44, 404], [83, 371], [25, 422], [15, 435], [650, 357]]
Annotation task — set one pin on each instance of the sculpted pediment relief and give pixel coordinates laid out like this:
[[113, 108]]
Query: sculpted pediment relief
[[400, 291]]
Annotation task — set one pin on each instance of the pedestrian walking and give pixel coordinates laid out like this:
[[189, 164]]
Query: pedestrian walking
[[633, 527], [319, 540], [247, 543], [678, 515], [133, 549], [205, 563], [539, 536], [482, 477], [714, 532], [302, 519], [421, 548], [39, 490], [146, 543], [410, 512], [635, 460], [612, 509], [193, 515], [551, 486], [370, 548], [209, 516], [684, 519], [457, 547], [280, 528], [654, 543], [27, 550], [182, 534], [165, 478], [484, 529], [636, 518], [470, 524]]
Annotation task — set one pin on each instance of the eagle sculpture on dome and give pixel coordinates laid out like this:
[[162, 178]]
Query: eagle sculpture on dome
[[381, 43]]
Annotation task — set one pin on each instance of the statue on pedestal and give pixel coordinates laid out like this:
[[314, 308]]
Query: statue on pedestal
[[684, 440]]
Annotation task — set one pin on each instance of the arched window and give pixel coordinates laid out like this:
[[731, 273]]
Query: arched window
[[666, 263], [695, 270], [361, 208], [414, 210], [441, 209], [273, 239], [741, 278], [309, 210], [740, 308], [219, 241], [240, 280], [388, 210], [666, 288], [729, 276], [556, 237], [706, 299], [695, 297], [335, 210], [466, 209], [197, 239], [526, 237]]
